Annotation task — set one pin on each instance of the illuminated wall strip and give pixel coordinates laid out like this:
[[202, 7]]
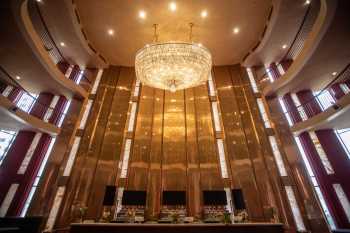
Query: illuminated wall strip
[[7, 91], [132, 117], [284, 109], [37, 178], [281, 69], [252, 80], [277, 154], [269, 74], [63, 115], [137, 88], [345, 88], [325, 162], [229, 205], [54, 210], [295, 209], [263, 113], [324, 206], [24, 165], [300, 108], [119, 201], [85, 114], [125, 162], [71, 157], [50, 110], [69, 71], [97, 81], [343, 199], [222, 158], [216, 117], [80, 76], [211, 86], [8, 199]]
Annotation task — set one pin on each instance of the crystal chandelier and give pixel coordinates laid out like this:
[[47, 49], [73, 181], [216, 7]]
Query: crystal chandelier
[[173, 65]]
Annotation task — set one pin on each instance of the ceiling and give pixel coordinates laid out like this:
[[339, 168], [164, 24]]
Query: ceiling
[[215, 31]]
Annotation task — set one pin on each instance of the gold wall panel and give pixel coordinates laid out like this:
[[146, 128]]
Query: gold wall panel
[[154, 184], [139, 157], [110, 151], [174, 164], [236, 143], [78, 187], [193, 169], [209, 160]]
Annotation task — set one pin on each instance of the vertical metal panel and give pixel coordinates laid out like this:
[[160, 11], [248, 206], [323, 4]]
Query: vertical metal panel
[[154, 175], [193, 170], [209, 162], [78, 187], [237, 148], [174, 144], [139, 159], [109, 154]]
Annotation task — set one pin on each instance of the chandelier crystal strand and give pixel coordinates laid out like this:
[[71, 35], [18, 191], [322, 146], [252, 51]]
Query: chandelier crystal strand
[[173, 65]]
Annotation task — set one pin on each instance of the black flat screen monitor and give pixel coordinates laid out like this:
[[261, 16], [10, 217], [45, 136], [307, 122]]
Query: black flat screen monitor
[[214, 198], [134, 198], [174, 198]]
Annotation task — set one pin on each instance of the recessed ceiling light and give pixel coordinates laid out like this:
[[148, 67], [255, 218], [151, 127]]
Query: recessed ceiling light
[[334, 73], [284, 46], [236, 30], [38, 0], [199, 44], [307, 2], [172, 6], [62, 44], [110, 32], [204, 14], [142, 14], [18, 78]]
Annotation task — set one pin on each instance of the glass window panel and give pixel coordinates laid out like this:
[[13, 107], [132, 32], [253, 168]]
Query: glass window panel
[[324, 99], [300, 108], [344, 138], [7, 91], [6, 140], [26, 102], [324, 206]]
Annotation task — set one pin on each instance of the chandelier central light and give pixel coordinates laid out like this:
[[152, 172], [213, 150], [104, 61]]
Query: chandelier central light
[[173, 65]]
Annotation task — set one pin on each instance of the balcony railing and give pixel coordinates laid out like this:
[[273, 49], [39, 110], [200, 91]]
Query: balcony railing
[[27, 102], [52, 48], [304, 30], [320, 102]]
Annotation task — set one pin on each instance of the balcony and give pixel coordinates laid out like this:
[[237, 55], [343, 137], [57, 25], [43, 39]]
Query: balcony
[[325, 51], [329, 108], [17, 112]]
